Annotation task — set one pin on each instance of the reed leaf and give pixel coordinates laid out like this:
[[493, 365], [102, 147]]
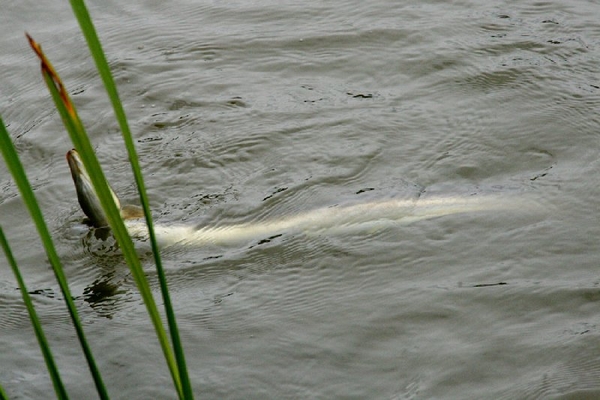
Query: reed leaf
[[83, 145], [3, 395], [59, 388], [18, 172], [89, 32]]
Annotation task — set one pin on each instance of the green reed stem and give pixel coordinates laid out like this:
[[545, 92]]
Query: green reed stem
[[59, 388], [3, 395], [16, 168], [95, 47], [79, 137]]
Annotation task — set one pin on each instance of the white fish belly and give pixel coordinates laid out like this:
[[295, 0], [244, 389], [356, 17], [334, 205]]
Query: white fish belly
[[333, 219]]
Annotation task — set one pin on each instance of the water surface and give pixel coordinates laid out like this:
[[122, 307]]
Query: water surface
[[245, 111]]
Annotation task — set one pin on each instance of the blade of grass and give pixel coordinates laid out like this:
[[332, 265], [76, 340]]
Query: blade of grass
[[84, 147], [89, 31], [59, 388], [16, 168]]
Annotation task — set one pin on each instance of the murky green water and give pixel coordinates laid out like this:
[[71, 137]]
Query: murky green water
[[252, 110]]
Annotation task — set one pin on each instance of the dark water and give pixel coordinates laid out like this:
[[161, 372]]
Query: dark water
[[250, 110]]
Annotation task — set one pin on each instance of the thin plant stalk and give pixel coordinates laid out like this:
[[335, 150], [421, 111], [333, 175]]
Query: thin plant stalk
[[83, 145], [3, 395], [18, 172], [89, 31], [59, 388]]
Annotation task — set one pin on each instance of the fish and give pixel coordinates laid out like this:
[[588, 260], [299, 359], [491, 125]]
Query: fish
[[340, 218]]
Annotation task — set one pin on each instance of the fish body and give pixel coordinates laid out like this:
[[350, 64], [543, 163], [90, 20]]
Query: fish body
[[364, 217], [330, 220]]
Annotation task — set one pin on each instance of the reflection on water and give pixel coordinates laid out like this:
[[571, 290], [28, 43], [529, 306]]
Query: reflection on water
[[248, 112], [107, 294]]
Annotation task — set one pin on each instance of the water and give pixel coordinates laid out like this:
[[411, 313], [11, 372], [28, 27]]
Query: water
[[252, 110]]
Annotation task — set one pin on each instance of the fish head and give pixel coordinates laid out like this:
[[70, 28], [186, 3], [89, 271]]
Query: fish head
[[86, 195]]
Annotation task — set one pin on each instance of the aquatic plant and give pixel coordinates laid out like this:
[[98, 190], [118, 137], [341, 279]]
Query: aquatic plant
[[174, 355]]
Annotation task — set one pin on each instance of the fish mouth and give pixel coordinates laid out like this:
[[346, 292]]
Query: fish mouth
[[86, 195]]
